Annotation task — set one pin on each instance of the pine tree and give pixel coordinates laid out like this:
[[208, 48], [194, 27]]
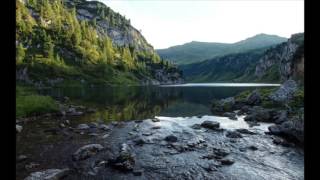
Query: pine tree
[[20, 54]]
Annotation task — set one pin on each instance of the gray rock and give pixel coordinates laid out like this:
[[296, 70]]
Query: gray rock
[[21, 158], [104, 127], [245, 131], [171, 138], [83, 126], [156, 127], [62, 125], [258, 113], [31, 165], [125, 161], [91, 110], [93, 125], [87, 151], [155, 120], [78, 113], [18, 128], [67, 122], [281, 117], [254, 98], [233, 134], [210, 124], [292, 129], [49, 174], [285, 92], [105, 136], [138, 121], [196, 126], [230, 115], [253, 148], [147, 133], [223, 105], [226, 161], [137, 172]]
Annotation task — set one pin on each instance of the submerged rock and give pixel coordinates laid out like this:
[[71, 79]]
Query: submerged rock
[[137, 172], [226, 161], [171, 138], [83, 126], [196, 126], [87, 151], [245, 131], [233, 134], [210, 124], [49, 174], [104, 127]]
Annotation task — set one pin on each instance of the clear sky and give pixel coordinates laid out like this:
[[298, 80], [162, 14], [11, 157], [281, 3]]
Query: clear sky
[[166, 23]]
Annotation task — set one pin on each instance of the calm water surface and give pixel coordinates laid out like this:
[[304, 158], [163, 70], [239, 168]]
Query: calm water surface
[[142, 102]]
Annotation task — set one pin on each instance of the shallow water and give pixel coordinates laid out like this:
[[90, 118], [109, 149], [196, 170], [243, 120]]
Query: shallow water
[[178, 108]]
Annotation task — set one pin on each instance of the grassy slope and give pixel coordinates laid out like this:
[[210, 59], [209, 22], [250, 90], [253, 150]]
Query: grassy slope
[[28, 102]]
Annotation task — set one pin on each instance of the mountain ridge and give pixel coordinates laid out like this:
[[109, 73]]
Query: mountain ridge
[[196, 51]]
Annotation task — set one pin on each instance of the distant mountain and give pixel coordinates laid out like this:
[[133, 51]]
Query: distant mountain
[[274, 64], [199, 51]]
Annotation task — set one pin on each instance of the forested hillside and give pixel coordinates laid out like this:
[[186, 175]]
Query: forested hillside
[[79, 41]]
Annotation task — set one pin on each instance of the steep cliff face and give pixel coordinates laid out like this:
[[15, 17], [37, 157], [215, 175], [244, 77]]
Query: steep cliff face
[[110, 23], [285, 61]]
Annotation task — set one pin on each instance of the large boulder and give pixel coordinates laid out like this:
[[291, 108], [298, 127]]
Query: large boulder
[[258, 113], [292, 129], [125, 161], [254, 98], [49, 174], [87, 151], [223, 105], [210, 124], [285, 92]]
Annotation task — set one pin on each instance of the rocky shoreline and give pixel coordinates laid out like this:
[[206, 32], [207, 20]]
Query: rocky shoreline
[[289, 124], [148, 149], [198, 147]]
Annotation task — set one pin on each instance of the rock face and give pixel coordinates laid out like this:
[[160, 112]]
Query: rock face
[[285, 92], [49, 174], [284, 61], [86, 151], [89, 10], [210, 124]]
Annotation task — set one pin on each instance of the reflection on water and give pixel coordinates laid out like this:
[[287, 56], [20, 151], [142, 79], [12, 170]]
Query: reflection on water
[[142, 102]]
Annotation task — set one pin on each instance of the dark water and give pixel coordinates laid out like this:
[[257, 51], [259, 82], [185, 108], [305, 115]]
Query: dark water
[[133, 103]]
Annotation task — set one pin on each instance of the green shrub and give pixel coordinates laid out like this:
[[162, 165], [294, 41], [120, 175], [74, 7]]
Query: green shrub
[[28, 103]]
